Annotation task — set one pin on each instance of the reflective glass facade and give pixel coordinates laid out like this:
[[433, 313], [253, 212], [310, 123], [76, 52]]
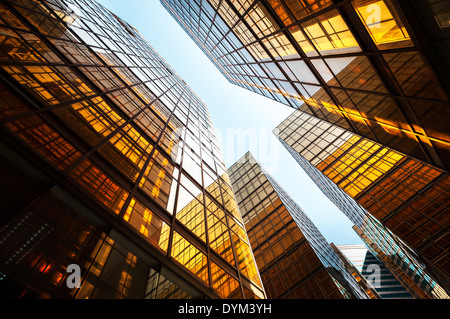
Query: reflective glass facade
[[390, 197], [383, 281], [109, 161], [420, 279], [293, 257], [378, 68]]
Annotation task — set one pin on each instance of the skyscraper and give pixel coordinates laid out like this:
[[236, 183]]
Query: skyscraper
[[365, 180], [370, 80], [383, 281], [293, 257], [377, 68], [109, 163]]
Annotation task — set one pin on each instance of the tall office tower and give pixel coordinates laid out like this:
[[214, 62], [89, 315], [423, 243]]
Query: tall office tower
[[110, 166], [378, 68], [399, 206], [294, 259], [373, 270], [356, 273]]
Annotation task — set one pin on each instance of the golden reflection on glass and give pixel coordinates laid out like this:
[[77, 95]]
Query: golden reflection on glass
[[383, 23], [398, 187], [114, 273], [102, 117], [330, 34], [128, 151], [302, 41], [14, 48], [150, 226], [192, 216], [97, 184], [358, 164], [237, 228], [46, 83], [279, 46], [158, 181], [245, 260], [219, 238], [46, 24], [189, 256], [229, 201], [280, 11], [214, 190], [258, 53], [50, 144], [434, 117], [356, 73], [224, 283], [100, 257], [7, 16], [414, 75], [301, 9]]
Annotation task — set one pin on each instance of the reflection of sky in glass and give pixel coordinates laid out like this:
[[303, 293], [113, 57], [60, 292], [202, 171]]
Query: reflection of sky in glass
[[232, 107], [356, 254]]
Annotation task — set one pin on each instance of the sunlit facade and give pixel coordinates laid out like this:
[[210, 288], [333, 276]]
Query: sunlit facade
[[379, 68], [395, 201], [294, 259], [108, 161]]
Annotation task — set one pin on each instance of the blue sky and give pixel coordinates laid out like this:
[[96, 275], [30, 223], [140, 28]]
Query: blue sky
[[233, 108]]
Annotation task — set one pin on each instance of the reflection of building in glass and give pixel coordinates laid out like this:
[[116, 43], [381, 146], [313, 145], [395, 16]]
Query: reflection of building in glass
[[293, 257], [360, 279], [420, 279], [423, 276], [109, 161], [373, 270], [378, 68]]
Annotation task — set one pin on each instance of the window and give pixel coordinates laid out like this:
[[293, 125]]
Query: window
[[330, 35], [383, 23]]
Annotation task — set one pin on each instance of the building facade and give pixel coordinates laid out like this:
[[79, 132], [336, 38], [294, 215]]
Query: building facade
[[370, 81], [377, 68], [294, 259], [393, 242], [374, 271], [109, 164]]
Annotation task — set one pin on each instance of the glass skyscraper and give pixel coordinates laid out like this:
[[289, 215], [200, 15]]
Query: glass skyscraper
[[425, 277], [378, 68], [109, 162], [369, 80], [293, 257], [383, 281]]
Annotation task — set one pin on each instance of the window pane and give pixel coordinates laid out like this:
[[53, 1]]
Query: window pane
[[149, 225], [383, 23], [330, 35], [190, 257]]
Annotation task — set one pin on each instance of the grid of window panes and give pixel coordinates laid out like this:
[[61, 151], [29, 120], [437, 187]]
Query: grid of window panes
[[292, 256], [357, 64], [359, 216], [384, 244], [386, 285], [40, 242], [407, 196], [315, 238], [109, 116], [337, 196]]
